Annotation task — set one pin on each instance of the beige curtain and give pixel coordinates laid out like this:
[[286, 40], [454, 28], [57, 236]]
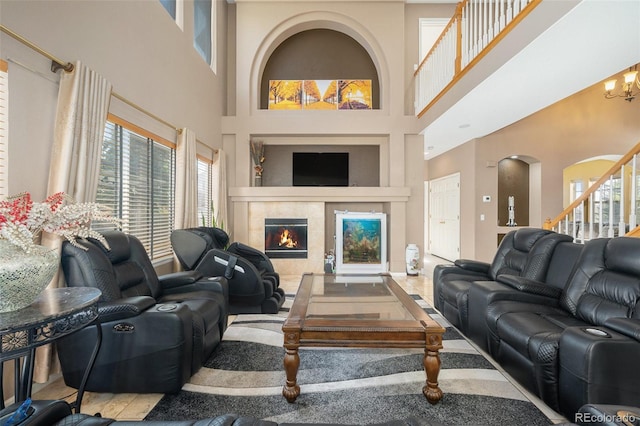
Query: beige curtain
[[83, 103], [186, 207], [219, 191]]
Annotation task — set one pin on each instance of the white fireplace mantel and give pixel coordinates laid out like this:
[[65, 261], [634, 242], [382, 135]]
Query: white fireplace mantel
[[325, 194]]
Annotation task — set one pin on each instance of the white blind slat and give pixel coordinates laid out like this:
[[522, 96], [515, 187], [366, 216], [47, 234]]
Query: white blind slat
[[4, 129]]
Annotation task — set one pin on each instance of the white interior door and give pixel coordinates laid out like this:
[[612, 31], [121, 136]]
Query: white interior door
[[444, 217]]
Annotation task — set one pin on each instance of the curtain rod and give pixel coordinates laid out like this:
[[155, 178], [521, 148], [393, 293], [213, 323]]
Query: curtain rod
[[139, 108], [56, 63]]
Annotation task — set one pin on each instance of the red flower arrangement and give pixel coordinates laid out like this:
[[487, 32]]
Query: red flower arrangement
[[22, 220]]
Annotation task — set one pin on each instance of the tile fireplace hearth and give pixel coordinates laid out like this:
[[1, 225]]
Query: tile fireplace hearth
[[285, 238]]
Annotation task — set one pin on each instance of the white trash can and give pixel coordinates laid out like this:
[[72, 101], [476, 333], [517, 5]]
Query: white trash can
[[412, 256]]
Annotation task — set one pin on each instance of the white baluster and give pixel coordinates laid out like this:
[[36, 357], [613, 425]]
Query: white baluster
[[621, 223], [632, 202], [611, 230], [591, 206], [600, 211]]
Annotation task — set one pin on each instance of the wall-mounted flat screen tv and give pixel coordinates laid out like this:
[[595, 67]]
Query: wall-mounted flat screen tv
[[320, 169]]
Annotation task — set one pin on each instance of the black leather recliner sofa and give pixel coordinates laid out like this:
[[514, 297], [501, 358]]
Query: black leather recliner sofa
[[573, 337], [524, 252], [253, 282], [157, 331]]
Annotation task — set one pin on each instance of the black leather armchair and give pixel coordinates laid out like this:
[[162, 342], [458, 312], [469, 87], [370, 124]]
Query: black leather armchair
[[253, 282], [524, 252], [58, 413], [157, 332]]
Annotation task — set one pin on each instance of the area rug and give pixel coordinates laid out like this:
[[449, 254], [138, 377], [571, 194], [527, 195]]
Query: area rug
[[349, 386]]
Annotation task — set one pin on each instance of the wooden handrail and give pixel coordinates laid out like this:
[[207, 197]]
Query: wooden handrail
[[635, 232], [549, 223]]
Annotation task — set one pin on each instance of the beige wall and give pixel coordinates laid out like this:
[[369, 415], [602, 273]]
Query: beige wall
[[133, 44], [580, 127], [401, 149]]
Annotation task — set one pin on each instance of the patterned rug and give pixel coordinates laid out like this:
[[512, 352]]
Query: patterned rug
[[349, 386]]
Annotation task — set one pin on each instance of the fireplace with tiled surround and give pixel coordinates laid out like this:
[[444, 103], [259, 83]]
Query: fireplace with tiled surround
[[285, 238], [253, 205]]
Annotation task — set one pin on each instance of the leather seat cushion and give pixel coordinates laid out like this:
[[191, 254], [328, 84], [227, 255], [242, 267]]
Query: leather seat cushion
[[526, 331]]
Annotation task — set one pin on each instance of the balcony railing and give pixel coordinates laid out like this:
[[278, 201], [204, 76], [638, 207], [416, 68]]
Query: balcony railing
[[608, 208], [474, 29]]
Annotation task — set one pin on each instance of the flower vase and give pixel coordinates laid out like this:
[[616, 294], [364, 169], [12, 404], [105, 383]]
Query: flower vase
[[257, 180], [23, 276]]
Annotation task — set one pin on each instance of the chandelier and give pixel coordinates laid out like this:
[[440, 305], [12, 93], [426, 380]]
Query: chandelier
[[630, 79]]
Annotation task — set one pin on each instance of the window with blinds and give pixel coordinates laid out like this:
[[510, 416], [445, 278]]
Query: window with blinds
[[4, 129], [137, 181], [205, 214]]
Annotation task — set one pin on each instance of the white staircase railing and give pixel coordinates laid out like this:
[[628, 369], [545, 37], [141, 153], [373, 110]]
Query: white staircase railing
[[608, 208], [470, 32]]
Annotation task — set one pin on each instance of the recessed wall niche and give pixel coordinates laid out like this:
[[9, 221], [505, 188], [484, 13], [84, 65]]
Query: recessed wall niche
[[364, 163], [513, 180], [319, 54]]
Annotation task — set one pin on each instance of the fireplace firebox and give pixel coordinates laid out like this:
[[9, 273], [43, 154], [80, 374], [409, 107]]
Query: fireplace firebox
[[285, 238]]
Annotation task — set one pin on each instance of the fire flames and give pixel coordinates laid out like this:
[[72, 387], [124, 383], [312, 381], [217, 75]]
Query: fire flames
[[287, 240]]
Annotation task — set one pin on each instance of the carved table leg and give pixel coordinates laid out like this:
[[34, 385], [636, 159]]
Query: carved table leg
[[291, 390], [431, 391]]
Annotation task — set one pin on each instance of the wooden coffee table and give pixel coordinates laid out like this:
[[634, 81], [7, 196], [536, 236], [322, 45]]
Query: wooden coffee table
[[358, 311]]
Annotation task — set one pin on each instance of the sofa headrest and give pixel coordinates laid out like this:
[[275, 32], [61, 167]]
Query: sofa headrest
[[622, 255], [118, 241], [217, 238], [525, 238]]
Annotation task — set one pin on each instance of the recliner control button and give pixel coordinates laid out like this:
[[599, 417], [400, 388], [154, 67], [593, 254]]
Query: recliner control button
[[123, 327]]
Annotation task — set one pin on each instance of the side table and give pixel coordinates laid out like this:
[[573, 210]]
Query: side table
[[57, 312]]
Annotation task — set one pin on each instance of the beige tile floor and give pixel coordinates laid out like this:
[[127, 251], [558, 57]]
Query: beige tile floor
[[136, 406]]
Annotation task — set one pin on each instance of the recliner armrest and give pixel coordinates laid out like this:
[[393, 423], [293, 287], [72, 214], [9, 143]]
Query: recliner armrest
[[473, 265], [41, 412], [124, 308], [628, 326], [529, 286], [178, 279]]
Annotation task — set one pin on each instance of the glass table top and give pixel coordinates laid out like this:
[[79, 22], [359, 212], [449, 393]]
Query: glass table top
[[355, 297]]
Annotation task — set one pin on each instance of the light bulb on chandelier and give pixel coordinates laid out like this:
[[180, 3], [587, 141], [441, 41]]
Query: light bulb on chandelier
[[630, 80]]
